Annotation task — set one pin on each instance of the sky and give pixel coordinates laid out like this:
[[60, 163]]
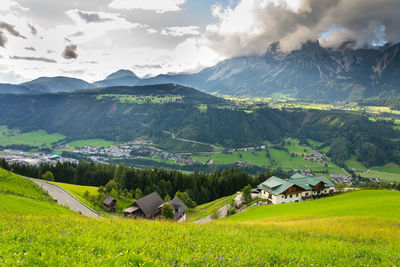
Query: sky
[[93, 38]]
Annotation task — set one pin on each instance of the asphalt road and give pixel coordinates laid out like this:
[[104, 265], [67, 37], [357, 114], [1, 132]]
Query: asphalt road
[[64, 198]]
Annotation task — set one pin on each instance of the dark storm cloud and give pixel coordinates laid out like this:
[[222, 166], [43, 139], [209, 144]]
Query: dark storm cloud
[[42, 59], [361, 21], [10, 28], [70, 52], [91, 17]]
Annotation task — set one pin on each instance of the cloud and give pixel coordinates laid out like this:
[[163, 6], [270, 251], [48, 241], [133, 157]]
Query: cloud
[[33, 29], [6, 5], [77, 34], [3, 39], [159, 6], [10, 28], [42, 59], [30, 48], [92, 17], [181, 31], [70, 52], [251, 25]]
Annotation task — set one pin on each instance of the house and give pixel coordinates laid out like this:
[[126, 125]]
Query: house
[[179, 209], [109, 204], [298, 188], [149, 207]]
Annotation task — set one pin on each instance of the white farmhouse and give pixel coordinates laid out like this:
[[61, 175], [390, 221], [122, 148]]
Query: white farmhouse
[[298, 188]]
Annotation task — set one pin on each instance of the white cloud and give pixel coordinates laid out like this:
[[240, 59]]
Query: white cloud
[[181, 31], [159, 6], [10, 4]]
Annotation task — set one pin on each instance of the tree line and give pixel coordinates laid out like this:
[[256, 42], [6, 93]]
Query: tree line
[[201, 187]]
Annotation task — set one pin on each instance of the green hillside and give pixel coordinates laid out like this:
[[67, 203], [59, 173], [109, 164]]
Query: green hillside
[[35, 232]]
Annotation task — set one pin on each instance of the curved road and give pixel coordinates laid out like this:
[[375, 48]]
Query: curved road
[[64, 198]]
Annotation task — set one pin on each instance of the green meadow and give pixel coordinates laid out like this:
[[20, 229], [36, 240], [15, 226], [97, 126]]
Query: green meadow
[[34, 138], [202, 211], [91, 142], [353, 229]]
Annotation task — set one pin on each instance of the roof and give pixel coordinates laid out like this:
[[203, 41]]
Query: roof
[[275, 185], [179, 207], [131, 209], [108, 201], [298, 176], [150, 204]]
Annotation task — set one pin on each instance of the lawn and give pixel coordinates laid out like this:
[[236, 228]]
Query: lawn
[[207, 209], [333, 232], [35, 138], [91, 142], [353, 229], [391, 168], [78, 191], [385, 176], [352, 163], [257, 158]]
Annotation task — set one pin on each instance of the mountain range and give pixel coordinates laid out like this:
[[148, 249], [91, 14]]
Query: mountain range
[[311, 72]]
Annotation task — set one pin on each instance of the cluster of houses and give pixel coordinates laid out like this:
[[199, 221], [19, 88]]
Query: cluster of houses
[[297, 188], [149, 207]]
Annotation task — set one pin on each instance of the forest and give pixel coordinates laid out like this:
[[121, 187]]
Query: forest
[[201, 187], [81, 116]]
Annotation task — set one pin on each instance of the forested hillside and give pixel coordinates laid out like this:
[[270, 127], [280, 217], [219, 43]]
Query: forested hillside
[[124, 114]]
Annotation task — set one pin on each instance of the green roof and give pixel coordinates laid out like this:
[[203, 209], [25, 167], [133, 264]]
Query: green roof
[[275, 185], [298, 176]]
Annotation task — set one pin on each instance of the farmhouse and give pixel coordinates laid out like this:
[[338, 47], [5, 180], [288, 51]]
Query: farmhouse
[[109, 204], [149, 207], [298, 188]]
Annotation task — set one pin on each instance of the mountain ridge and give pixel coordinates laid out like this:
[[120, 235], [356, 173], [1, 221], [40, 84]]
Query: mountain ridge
[[311, 72]]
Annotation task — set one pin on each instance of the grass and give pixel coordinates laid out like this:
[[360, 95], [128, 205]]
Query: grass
[[16, 185], [35, 138], [207, 209], [384, 176], [352, 163], [390, 168], [134, 99], [78, 191], [353, 229], [91, 142]]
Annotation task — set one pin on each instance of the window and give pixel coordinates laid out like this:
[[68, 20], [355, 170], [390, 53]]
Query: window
[[297, 195], [283, 196], [290, 196]]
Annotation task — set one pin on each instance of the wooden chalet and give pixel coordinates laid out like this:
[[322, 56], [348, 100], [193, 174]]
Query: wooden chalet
[[149, 207], [298, 188], [110, 204]]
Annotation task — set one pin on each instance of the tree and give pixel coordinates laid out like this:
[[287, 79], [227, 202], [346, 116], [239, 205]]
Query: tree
[[110, 186], [138, 193], [167, 198], [167, 211], [48, 176], [184, 196], [246, 194]]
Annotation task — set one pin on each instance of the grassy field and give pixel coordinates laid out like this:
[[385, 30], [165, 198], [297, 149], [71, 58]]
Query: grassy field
[[391, 168], [91, 142], [207, 209], [278, 158], [354, 229], [35, 138], [78, 191], [384, 176], [352, 163]]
